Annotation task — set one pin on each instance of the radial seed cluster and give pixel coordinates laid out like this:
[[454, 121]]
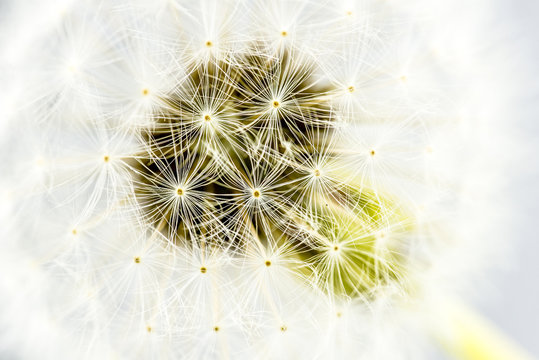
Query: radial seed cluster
[[243, 154]]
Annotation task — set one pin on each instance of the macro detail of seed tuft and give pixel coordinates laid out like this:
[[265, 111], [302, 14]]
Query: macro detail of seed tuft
[[244, 175]]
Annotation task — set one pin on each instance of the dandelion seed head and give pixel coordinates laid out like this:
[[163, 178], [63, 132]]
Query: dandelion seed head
[[267, 160]]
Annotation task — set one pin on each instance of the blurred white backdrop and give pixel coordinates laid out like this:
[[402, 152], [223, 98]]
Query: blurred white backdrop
[[511, 298]]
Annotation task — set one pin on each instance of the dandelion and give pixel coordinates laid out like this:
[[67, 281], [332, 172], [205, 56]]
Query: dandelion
[[224, 179]]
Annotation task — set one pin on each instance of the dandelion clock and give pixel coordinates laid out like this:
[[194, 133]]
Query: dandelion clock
[[241, 180]]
